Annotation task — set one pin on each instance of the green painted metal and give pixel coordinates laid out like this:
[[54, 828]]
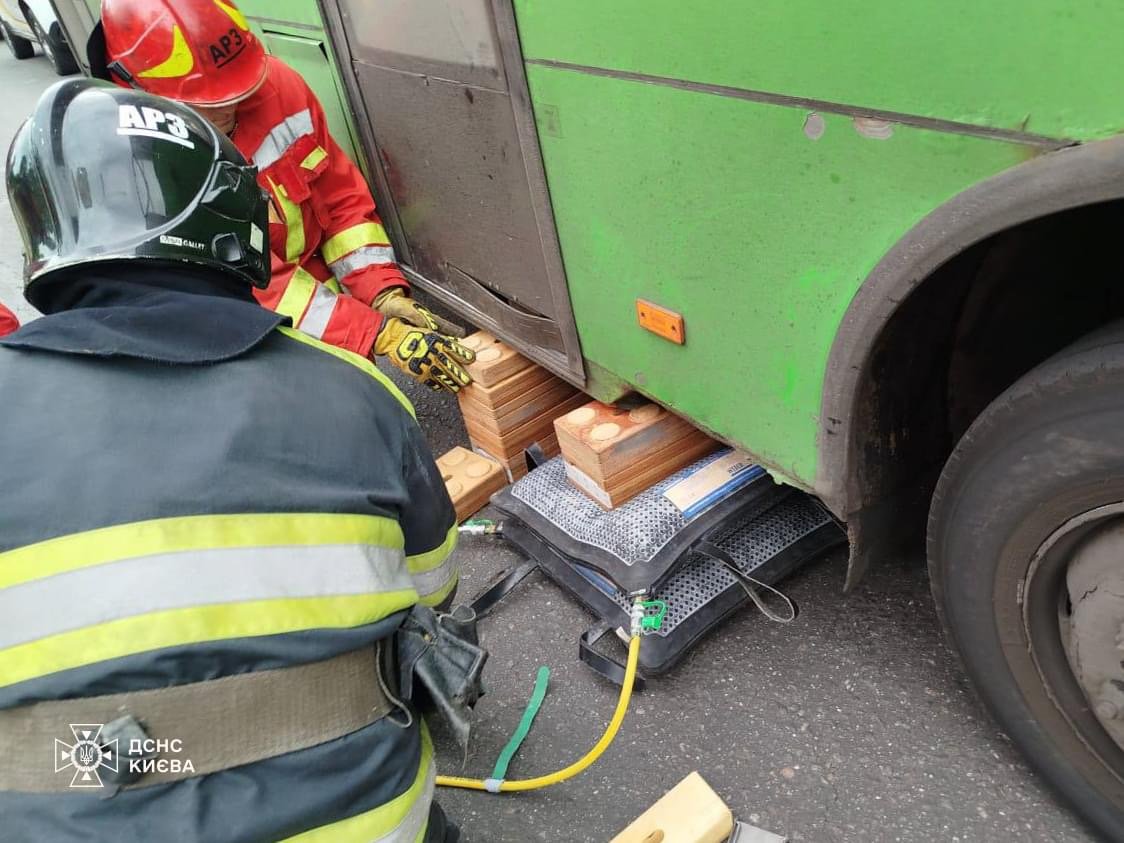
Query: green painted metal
[[726, 211], [1043, 65]]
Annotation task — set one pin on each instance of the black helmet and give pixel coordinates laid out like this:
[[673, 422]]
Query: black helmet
[[101, 173]]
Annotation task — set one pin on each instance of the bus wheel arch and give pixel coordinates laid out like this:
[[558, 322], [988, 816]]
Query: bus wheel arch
[[1013, 263]]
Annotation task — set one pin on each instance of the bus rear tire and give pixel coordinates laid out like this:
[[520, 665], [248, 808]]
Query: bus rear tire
[[1026, 561]]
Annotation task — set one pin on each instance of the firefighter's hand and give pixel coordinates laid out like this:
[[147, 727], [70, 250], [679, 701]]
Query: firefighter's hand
[[395, 304], [430, 358]]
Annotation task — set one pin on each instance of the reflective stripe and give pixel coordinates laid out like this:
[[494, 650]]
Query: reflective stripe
[[193, 532], [434, 571], [166, 581], [319, 313], [333, 284], [178, 63], [437, 581], [313, 158], [294, 223], [181, 627], [361, 258], [401, 820], [235, 15], [436, 598], [355, 360], [421, 562], [299, 292], [350, 239], [281, 137], [70, 579]]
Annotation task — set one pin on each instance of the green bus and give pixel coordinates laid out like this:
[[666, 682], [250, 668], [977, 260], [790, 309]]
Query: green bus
[[892, 234]]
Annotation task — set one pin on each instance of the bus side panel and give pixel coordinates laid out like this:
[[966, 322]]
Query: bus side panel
[[756, 222], [1044, 66]]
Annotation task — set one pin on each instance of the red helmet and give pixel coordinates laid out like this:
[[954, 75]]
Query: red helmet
[[200, 52]]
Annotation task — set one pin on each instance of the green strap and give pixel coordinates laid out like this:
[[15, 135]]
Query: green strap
[[529, 713]]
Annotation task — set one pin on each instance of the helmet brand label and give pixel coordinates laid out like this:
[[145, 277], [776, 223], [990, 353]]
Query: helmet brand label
[[172, 240], [149, 122], [227, 48]]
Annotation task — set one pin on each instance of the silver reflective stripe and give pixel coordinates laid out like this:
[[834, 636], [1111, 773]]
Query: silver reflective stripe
[[103, 593], [433, 580], [412, 824], [362, 257], [315, 319], [281, 137]]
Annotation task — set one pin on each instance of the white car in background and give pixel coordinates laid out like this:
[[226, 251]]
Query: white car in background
[[24, 23]]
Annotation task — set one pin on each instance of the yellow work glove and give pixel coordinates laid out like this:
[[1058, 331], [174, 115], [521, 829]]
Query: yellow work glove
[[395, 304], [430, 358]]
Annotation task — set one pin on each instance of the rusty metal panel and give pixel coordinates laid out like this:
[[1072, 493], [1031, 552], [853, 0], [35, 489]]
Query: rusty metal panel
[[444, 115], [454, 40], [451, 154]]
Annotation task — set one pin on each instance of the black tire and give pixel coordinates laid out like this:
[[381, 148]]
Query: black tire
[[1047, 452], [54, 45], [21, 48]]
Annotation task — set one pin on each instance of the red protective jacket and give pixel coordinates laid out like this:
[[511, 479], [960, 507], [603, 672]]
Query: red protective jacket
[[331, 255], [8, 321]]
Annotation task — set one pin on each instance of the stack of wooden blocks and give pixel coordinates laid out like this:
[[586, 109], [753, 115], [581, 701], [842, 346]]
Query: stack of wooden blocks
[[470, 480], [612, 454], [512, 403]]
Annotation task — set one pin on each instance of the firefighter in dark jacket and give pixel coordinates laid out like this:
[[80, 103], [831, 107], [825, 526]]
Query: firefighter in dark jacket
[[211, 524]]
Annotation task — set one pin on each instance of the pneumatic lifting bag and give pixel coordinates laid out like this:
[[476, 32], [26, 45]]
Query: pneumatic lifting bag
[[691, 541]]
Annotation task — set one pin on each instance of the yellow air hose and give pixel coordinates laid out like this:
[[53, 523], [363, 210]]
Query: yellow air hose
[[587, 760]]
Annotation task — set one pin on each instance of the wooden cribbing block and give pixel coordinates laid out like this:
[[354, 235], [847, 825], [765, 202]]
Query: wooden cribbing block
[[688, 813], [513, 442], [613, 453], [505, 418], [495, 359], [470, 480], [512, 403]]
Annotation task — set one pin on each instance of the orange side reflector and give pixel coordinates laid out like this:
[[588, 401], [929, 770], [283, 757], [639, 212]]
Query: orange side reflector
[[661, 321]]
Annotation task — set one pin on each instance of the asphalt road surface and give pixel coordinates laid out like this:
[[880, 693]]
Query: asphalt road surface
[[853, 723]]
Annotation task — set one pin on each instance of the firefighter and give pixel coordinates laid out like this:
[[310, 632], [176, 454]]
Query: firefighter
[[199, 588], [8, 321], [325, 233]]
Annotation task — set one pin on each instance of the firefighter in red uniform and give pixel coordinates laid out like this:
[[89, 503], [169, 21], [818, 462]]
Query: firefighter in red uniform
[[334, 271], [8, 321]]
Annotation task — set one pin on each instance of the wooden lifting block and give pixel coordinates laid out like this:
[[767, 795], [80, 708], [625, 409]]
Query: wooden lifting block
[[613, 454], [688, 813], [512, 403], [470, 480], [495, 359]]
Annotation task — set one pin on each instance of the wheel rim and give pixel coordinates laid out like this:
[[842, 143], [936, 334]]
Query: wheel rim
[[1073, 618]]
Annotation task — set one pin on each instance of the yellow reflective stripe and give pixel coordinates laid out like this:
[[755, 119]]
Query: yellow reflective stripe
[[235, 15], [313, 158], [422, 562], [143, 633], [436, 598], [294, 222], [333, 284], [195, 532], [355, 360], [401, 820], [295, 299], [178, 64], [350, 239]]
